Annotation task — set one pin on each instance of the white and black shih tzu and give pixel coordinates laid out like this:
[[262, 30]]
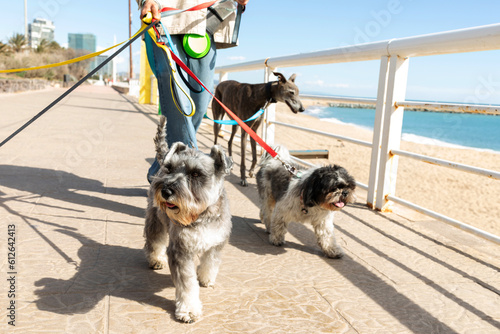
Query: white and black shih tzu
[[312, 196]]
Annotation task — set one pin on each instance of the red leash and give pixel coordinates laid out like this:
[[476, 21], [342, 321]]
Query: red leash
[[192, 9], [192, 75], [233, 116], [245, 127]]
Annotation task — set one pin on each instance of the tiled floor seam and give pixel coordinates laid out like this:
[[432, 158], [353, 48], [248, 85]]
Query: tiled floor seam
[[35, 205], [107, 305], [370, 267], [107, 308], [250, 225], [336, 310]]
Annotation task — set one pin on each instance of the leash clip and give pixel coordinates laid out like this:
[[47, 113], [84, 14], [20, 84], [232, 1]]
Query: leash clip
[[291, 169]]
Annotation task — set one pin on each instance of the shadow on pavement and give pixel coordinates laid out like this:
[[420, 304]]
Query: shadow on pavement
[[104, 270], [65, 187]]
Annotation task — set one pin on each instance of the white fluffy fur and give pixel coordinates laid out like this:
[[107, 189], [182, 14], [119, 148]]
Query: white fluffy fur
[[282, 200]]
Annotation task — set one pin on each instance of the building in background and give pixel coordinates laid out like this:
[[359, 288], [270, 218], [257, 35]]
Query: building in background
[[38, 30], [86, 43], [107, 70], [82, 42]]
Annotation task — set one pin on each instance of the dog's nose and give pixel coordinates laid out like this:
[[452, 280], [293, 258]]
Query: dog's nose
[[166, 193], [301, 109]]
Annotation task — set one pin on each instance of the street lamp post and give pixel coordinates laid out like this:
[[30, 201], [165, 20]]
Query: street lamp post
[[131, 76], [26, 20]]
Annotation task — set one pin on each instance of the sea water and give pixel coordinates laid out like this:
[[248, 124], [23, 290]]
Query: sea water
[[475, 131]]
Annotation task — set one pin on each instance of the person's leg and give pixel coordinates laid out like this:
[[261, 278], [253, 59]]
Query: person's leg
[[179, 128], [204, 70]]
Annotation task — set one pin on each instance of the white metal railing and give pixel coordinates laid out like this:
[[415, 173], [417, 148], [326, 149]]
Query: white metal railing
[[389, 105], [326, 134], [450, 164]]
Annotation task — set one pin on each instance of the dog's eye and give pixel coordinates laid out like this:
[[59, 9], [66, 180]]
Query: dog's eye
[[167, 169], [195, 174]]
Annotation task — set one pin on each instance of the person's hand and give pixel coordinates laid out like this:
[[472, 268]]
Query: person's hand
[[242, 2], [152, 6]]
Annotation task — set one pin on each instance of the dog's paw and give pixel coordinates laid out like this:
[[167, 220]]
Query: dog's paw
[[336, 253], [205, 279], [251, 173], [277, 241], [157, 260], [244, 183], [207, 283], [157, 265], [187, 313]]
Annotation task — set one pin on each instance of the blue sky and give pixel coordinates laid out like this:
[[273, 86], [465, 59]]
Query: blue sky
[[278, 28]]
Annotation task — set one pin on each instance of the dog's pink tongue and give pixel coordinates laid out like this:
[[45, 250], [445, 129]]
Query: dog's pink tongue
[[169, 205], [339, 204]]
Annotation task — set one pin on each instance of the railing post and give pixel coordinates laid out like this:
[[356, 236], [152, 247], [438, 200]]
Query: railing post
[[268, 129], [391, 130], [377, 131], [222, 76]]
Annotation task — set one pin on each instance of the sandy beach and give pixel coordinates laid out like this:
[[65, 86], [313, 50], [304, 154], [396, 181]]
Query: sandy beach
[[469, 198]]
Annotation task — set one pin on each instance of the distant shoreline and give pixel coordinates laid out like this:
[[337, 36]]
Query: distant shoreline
[[367, 106]]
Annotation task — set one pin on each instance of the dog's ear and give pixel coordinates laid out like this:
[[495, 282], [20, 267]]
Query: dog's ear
[[280, 76], [311, 191], [222, 163], [308, 195], [175, 149], [292, 78]]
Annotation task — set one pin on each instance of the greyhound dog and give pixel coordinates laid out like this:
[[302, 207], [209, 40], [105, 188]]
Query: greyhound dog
[[247, 99]]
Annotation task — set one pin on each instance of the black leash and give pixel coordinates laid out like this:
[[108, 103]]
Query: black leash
[[71, 89]]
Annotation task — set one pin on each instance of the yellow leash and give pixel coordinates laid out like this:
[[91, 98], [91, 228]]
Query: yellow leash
[[147, 20], [74, 60], [173, 77]]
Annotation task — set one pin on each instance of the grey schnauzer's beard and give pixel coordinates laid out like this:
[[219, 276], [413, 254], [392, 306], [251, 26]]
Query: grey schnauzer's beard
[[335, 201], [181, 211]]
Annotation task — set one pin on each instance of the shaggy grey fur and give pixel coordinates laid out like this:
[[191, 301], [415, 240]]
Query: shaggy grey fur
[[245, 100], [313, 198], [187, 209]]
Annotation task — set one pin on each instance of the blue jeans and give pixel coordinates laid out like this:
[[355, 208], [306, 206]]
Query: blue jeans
[[179, 127]]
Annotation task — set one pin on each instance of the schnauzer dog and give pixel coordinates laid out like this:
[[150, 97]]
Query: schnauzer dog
[[245, 100], [188, 207], [312, 197]]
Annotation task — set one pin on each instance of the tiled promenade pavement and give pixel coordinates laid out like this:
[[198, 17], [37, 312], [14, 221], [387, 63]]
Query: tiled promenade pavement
[[73, 186]]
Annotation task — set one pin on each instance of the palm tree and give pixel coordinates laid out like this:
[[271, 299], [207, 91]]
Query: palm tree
[[17, 42], [4, 48], [43, 46]]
